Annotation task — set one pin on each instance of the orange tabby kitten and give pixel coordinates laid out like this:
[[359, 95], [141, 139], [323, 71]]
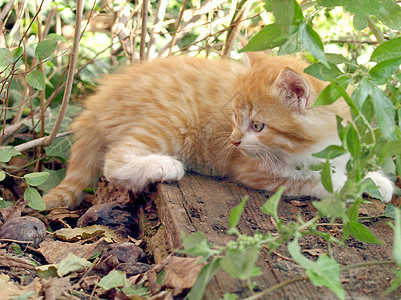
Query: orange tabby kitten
[[254, 124]]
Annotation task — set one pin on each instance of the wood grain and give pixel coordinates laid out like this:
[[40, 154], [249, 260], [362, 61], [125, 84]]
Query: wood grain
[[201, 203]]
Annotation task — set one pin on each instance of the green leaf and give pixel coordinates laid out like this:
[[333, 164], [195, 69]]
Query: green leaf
[[331, 152], [197, 245], [5, 58], [240, 263], [269, 37], [72, 263], [34, 198], [397, 237], [54, 179], [54, 36], [112, 280], [362, 233], [389, 212], [327, 273], [2, 175], [323, 72], [331, 207], [16, 53], [353, 211], [324, 272], [388, 50], [36, 79], [360, 22], [284, 13], [326, 177], [362, 92], [352, 139], [7, 152], [337, 58], [389, 14], [384, 113], [45, 48], [230, 296], [312, 43], [270, 206], [205, 275], [36, 178], [391, 148], [25, 296], [383, 70], [330, 93], [60, 147], [236, 213]]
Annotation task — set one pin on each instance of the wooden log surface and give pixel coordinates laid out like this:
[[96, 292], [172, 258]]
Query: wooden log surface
[[202, 203]]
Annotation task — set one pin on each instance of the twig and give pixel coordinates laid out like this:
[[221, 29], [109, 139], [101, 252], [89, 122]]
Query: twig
[[158, 23], [42, 95], [6, 9], [305, 278], [144, 29], [38, 142], [177, 26], [235, 25], [70, 76], [376, 32]]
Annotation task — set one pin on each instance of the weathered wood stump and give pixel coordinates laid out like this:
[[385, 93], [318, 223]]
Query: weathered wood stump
[[201, 203]]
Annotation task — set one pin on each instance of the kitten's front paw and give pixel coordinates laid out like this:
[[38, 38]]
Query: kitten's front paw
[[385, 185], [136, 172], [163, 168]]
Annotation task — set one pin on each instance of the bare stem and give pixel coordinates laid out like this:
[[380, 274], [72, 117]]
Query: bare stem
[[70, 75], [305, 278], [142, 54], [376, 32], [177, 26], [38, 142]]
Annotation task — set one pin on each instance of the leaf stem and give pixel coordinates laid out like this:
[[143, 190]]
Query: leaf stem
[[376, 32], [306, 278]]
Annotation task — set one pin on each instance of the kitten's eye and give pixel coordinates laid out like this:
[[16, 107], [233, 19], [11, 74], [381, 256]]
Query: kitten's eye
[[257, 126]]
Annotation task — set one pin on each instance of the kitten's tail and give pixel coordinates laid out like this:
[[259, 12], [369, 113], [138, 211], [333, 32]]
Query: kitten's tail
[[83, 167]]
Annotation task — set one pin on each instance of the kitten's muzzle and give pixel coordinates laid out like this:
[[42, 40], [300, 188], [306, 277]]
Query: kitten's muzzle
[[236, 144]]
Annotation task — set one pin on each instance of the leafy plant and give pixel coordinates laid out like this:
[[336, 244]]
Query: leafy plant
[[372, 140]]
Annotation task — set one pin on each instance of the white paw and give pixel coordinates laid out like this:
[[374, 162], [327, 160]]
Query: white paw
[[385, 185], [162, 168], [137, 172]]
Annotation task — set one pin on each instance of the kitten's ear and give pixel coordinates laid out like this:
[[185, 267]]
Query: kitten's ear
[[292, 89]]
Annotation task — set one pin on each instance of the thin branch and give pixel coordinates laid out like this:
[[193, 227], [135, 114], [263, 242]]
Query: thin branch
[[376, 32], [177, 26], [180, 34], [38, 142], [158, 23], [142, 54], [263, 293], [70, 76], [6, 9]]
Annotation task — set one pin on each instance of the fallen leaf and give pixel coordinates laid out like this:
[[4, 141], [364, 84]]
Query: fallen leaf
[[299, 203], [314, 252], [76, 234], [109, 192], [14, 211], [72, 263], [55, 251], [11, 261], [54, 287], [60, 213], [181, 272], [10, 290]]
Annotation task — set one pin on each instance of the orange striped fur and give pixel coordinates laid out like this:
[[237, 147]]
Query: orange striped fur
[[152, 120]]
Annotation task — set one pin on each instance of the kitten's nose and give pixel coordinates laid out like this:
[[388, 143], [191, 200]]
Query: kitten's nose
[[236, 144]]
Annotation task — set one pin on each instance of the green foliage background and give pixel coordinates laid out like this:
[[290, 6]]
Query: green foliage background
[[350, 43]]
